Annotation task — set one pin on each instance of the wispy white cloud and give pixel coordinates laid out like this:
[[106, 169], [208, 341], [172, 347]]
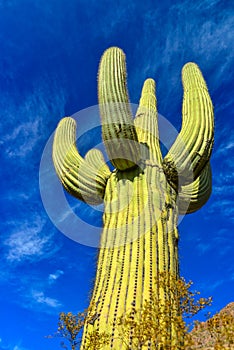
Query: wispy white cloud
[[35, 290], [219, 243], [205, 39], [66, 213], [213, 38], [214, 285], [6, 346], [223, 190], [28, 241], [222, 243], [203, 247], [17, 347], [224, 207], [26, 135], [229, 145], [20, 139], [54, 276], [40, 298], [224, 149]]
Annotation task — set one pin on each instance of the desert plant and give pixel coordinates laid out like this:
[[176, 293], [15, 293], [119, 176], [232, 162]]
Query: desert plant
[[143, 195], [144, 328], [70, 327]]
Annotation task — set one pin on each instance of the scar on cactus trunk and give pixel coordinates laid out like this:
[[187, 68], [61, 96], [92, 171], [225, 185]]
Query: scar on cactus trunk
[[143, 195]]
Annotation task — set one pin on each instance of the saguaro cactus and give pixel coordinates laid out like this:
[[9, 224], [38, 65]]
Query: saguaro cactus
[[143, 195]]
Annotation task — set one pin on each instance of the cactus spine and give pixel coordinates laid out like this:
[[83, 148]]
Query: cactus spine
[[143, 195]]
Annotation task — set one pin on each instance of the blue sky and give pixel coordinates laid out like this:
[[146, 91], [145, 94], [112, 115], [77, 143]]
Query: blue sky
[[50, 52]]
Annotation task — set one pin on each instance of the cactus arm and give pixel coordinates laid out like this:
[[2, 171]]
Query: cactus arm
[[146, 122], [95, 158], [192, 149], [77, 176], [197, 193], [118, 131]]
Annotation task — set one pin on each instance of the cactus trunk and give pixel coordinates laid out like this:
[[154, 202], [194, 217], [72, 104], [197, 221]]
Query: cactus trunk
[[139, 240]]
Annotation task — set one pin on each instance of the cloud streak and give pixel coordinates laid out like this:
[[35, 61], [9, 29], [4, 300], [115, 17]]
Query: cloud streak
[[224, 207], [29, 242], [46, 99], [26, 135], [54, 276], [40, 298]]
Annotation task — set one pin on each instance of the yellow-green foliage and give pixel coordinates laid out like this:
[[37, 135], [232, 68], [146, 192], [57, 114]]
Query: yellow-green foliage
[[150, 326], [143, 195], [70, 327], [139, 328]]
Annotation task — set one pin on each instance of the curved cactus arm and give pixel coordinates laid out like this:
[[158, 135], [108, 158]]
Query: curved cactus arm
[[193, 196], [192, 149], [95, 158], [118, 130], [78, 177], [146, 123]]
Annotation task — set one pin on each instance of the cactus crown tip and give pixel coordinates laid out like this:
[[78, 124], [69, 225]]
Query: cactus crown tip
[[150, 81], [68, 119], [190, 67], [192, 76], [113, 49], [190, 64]]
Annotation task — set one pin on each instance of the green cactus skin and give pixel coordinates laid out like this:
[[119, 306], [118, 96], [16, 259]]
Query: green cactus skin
[[197, 193], [82, 178], [192, 149], [146, 122], [142, 196], [118, 131]]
